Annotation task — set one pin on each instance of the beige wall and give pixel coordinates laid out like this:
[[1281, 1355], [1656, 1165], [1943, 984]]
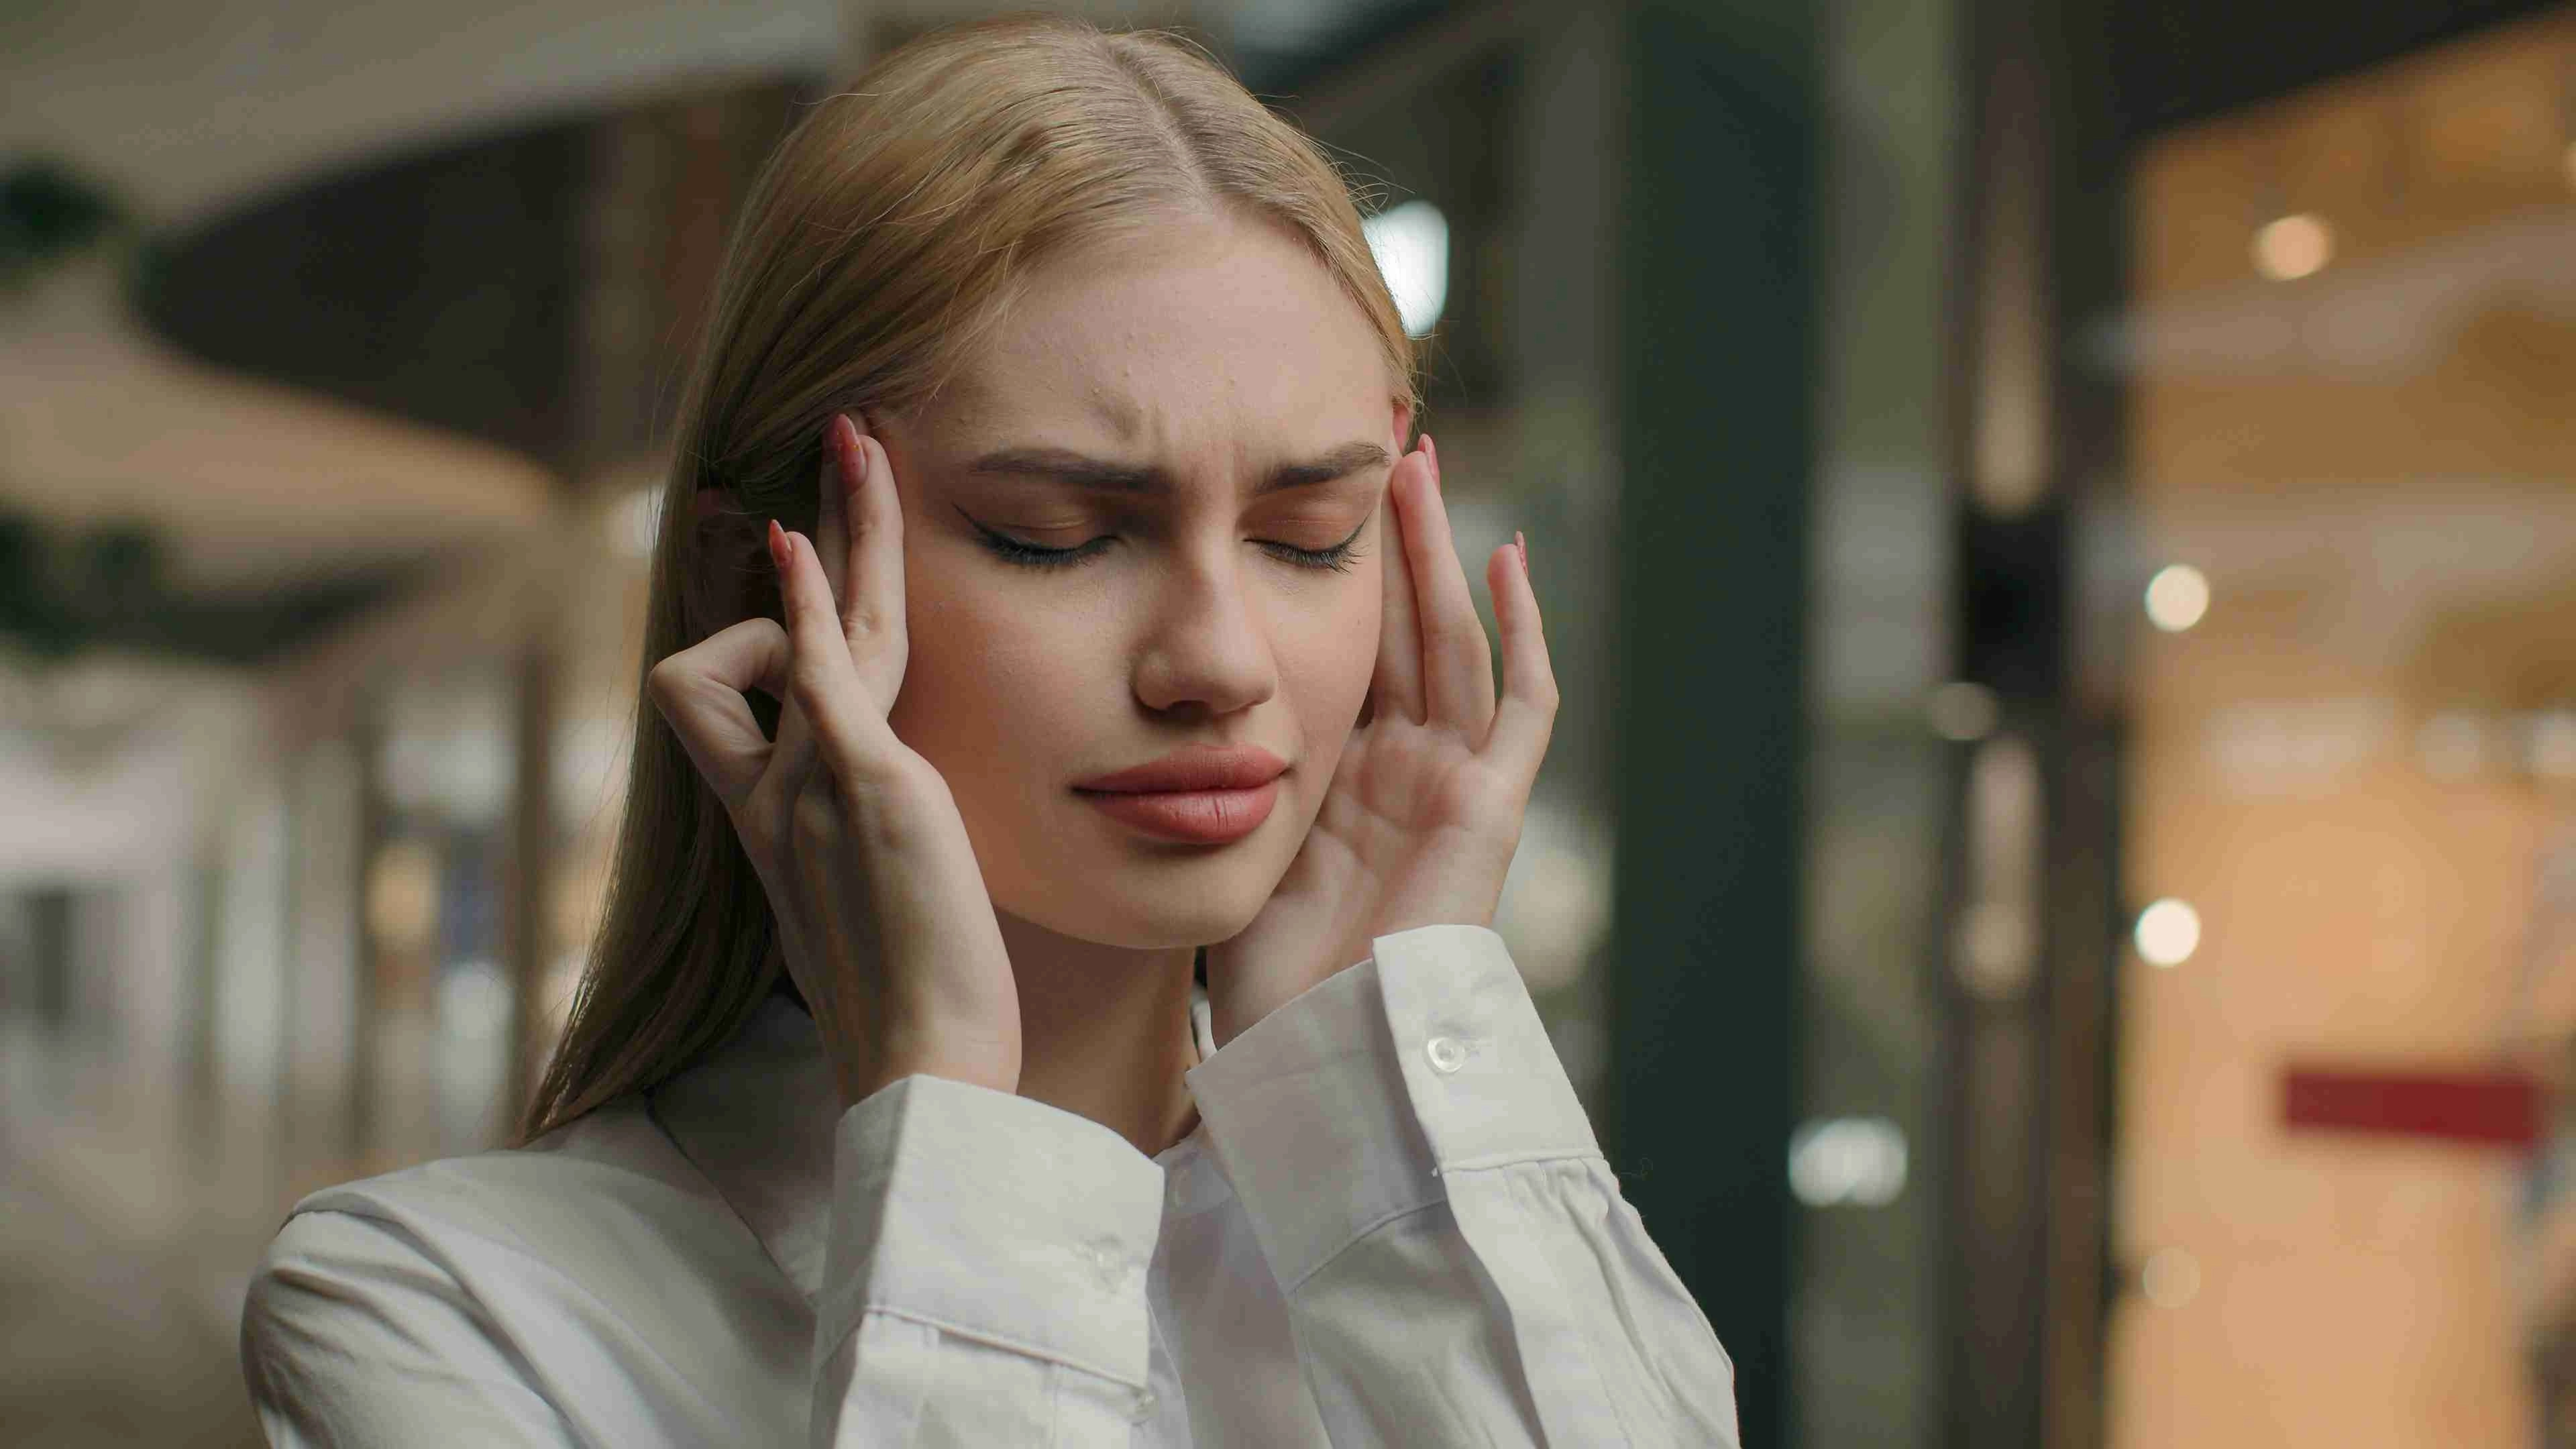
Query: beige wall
[[2376, 468]]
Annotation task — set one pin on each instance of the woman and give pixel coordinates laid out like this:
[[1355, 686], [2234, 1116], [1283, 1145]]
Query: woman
[[1113, 619]]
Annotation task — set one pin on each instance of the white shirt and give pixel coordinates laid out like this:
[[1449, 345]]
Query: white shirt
[[1392, 1225]]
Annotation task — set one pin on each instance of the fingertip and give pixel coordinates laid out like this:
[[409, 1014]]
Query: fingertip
[[1421, 465], [1501, 582], [872, 455], [793, 544], [856, 464]]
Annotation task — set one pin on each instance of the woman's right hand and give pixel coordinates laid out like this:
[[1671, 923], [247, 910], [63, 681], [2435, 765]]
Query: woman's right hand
[[881, 908]]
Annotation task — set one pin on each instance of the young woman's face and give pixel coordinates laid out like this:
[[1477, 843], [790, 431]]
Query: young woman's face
[[1207, 423]]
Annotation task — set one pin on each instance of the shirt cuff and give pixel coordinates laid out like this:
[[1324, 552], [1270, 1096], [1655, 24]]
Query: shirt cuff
[[993, 1216], [1339, 1111]]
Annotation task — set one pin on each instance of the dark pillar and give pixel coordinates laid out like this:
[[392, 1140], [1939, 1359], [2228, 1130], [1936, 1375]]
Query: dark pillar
[[1716, 269], [2034, 855]]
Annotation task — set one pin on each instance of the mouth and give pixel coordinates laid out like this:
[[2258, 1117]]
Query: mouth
[[1199, 795], [1194, 817]]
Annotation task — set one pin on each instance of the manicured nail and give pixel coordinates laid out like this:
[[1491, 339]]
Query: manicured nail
[[1523, 545], [1431, 453], [854, 459], [778, 547]]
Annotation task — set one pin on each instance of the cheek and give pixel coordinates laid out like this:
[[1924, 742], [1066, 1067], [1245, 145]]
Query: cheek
[[982, 679], [1327, 657]]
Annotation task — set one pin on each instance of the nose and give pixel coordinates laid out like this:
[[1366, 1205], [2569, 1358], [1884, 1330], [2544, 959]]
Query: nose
[[1208, 645]]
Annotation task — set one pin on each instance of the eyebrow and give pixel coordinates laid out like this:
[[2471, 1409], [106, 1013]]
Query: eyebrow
[[1064, 466]]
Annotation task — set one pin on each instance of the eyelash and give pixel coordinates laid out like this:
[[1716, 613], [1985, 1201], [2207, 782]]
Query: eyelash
[[1339, 558]]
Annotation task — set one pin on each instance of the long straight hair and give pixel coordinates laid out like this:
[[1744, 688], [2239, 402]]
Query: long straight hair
[[882, 239]]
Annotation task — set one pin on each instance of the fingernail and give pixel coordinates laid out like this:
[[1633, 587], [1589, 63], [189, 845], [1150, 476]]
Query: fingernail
[[1523, 545], [777, 546], [1431, 452], [854, 459]]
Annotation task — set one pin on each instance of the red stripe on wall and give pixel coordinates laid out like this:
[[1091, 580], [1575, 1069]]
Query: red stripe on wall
[[2492, 1108]]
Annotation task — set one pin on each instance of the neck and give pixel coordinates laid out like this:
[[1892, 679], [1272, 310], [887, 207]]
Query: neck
[[1105, 1032]]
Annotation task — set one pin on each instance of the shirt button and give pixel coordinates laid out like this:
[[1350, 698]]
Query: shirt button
[[1446, 1055]]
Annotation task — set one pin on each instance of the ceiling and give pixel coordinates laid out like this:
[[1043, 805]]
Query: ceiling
[[187, 107]]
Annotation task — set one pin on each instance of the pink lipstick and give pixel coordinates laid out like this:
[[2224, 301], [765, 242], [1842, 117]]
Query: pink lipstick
[[1203, 795]]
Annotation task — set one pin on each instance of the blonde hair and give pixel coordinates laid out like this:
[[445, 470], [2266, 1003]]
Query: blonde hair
[[880, 241]]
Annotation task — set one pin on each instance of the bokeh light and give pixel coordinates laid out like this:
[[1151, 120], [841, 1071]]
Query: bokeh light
[[2293, 246], [2168, 933], [2177, 597]]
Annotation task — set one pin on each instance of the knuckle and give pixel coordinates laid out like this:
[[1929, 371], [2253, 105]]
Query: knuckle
[[663, 683]]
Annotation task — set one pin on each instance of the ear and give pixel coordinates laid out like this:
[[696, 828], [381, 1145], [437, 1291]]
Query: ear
[[1403, 426]]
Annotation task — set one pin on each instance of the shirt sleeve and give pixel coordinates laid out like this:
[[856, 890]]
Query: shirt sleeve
[[353, 1335], [1459, 1265], [994, 1295], [984, 1283]]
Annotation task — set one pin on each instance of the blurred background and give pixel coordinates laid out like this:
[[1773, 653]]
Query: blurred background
[[2056, 878]]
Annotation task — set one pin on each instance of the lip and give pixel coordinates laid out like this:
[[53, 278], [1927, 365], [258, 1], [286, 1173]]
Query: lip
[[1194, 817], [1198, 768], [1200, 796]]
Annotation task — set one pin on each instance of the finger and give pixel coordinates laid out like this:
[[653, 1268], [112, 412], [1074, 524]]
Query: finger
[[701, 692], [872, 609], [850, 736], [1457, 662], [1526, 714], [1396, 689], [831, 510], [791, 758]]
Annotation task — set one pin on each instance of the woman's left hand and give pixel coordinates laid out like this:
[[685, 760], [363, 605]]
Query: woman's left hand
[[1424, 811]]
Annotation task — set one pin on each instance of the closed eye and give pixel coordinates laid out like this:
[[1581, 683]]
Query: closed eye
[[1339, 558]]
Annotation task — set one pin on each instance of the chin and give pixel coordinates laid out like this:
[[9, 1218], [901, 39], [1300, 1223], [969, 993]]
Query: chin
[[1141, 909]]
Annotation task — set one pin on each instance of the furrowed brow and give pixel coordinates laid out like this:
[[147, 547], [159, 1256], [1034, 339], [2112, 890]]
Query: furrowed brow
[[1341, 462], [1077, 470], [1058, 465]]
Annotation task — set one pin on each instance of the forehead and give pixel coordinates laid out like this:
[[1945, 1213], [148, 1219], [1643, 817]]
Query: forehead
[[1197, 333]]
